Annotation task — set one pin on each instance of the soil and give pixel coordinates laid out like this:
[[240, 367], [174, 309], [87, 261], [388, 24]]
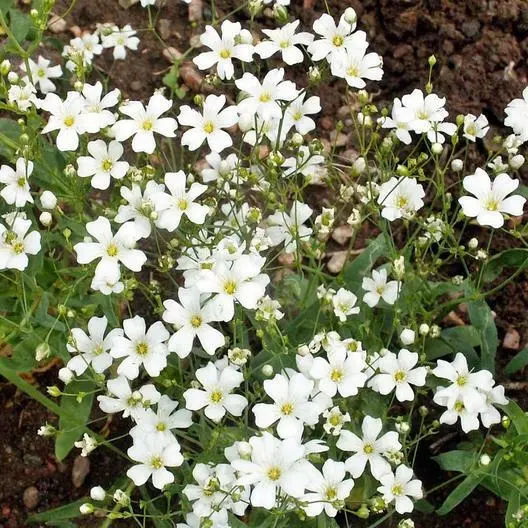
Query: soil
[[482, 51]]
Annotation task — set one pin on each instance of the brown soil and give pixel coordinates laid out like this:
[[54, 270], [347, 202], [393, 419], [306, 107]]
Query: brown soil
[[482, 52]]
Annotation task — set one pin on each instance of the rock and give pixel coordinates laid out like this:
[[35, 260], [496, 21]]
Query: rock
[[191, 76], [164, 28], [337, 261], [195, 10], [57, 24], [342, 233], [327, 123], [125, 4], [512, 339], [80, 470], [172, 54], [339, 140], [135, 86], [31, 497], [471, 28], [401, 50]]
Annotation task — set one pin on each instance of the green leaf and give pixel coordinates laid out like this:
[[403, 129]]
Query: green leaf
[[362, 264], [424, 506], [20, 24], [519, 361], [481, 318], [514, 504], [72, 429], [63, 513], [517, 416], [453, 340], [456, 460], [5, 5], [511, 258], [460, 493]]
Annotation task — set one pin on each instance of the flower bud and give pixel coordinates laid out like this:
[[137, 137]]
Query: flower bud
[[267, 370], [297, 139], [359, 166], [407, 336], [13, 77], [5, 67], [431, 60], [437, 148], [86, 508], [516, 162], [54, 391], [48, 200], [45, 218], [42, 351], [66, 375], [97, 493], [350, 16], [424, 329], [363, 512], [485, 460], [473, 243], [280, 13], [314, 74]]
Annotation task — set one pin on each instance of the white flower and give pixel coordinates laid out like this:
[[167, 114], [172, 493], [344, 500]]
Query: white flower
[[97, 493], [335, 420], [103, 163], [120, 40], [239, 281], [16, 191], [144, 122], [66, 117], [22, 95], [269, 309], [327, 487], [398, 487], [141, 208], [342, 372], [490, 415], [219, 168], [517, 116], [179, 202], [344, 303], [126, 400], [289, 228], [275, 465], [209, 124], [160, 423], [475, 127], [262, 98], [400, 198], [16, 244], [86, 445], [334, 41], [96, 114], [215, 520], [111, 249], [92, 348], [378, 288], [216, 394], [223, 49], [359, 65], [491, 199], [291, 406], [141, 347], [399, 120], [407, 336], [153, 457], [42, 72], [466, 387], [296, 115], [285, 41], [369, 448], [192, 320], [398, 372]]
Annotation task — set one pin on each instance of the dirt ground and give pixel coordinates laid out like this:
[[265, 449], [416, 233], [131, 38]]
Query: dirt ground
[[482, 52]]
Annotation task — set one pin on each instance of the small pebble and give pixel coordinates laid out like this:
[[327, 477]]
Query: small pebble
[[31, 497]]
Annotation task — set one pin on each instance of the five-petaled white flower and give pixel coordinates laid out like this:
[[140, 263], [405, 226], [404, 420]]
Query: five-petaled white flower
[[490, 200], [144, 122], [42, 73], [344, 303], [517, 116], [16, 191], [216, 395], [400, 198], [16, 244], [289, 228], [475, 127], [208, 125], [377, 287], [96, 113], [284, 40], [120, 40], [397, 487]]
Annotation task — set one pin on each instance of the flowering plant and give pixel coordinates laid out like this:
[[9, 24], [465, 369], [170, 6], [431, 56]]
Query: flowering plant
[[263, 376]]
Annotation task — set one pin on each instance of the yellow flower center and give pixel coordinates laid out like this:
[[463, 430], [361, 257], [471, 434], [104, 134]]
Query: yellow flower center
[[156, 462], [368, 449], [21, 181], [265, 97], [141, 349], [330, 494], [397, 489], [492, 204], [462, 380], [112, 250], [225, 54], [18, 248], [230, 287], [107, 165], [353, 71], [338, 41], [274, 473], [287, 409], [68, 121], [284, 44], [297, 116], [147, 125], [336, 375], [208, 127], [41, 73], [183, 204], [161, 427], [400, 376], [216, 396], [335, 420], [196, 321], [459, 406], [402, 202], [98, 350]]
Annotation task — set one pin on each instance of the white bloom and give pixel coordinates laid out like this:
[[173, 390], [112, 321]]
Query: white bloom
[[269, 309], [66, 117], [86, 445], [291, 406], [217, 519], [192, 320], [327, 488], [407, 336], [16, 244], [275, 465], [289, 228], [378, 288], [219, 168], [179, 202], [284, 40], [344, 303], [369, 448], [141, 207], [296, 115], [223, 49], [141, 347], [103, 163], [96, 114], [16, 191], [23, 96], [398, 372], [335, 420], [216, 394], [120, 40], [123, 398], [517, 116], [399, 120], [262, 98], [92, 348], [397, 487], [154, 457], [359, 65], [42, 72], [209, 124], [144, 122], [400, 197], [491, 199], [475, 127], [342, 372], [490, 415], [111, 249]]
